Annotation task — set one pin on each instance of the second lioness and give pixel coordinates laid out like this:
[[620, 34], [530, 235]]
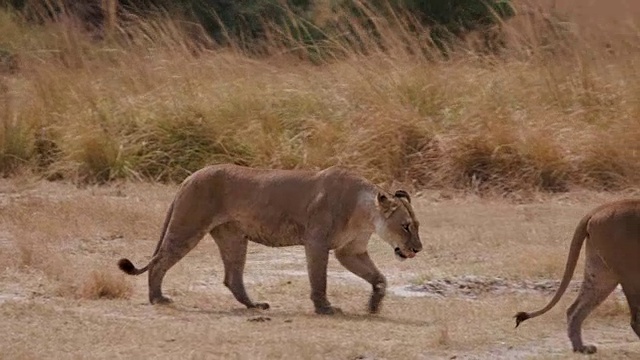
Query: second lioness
[[327, 210], [612, 250]]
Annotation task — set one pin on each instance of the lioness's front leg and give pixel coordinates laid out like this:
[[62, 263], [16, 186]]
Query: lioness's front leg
[[362, 265], [317, 254]]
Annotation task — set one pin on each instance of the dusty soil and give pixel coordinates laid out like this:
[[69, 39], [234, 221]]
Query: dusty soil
[[484, 260], [472, 287]]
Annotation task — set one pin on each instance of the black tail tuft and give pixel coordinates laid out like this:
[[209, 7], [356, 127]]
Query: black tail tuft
[[126, 266], [520, 317]]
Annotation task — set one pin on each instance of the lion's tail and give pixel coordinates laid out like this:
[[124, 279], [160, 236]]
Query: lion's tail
[[127, 266], [574, 252]]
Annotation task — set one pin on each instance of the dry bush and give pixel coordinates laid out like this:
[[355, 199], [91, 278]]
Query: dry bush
[[102, 284], [554, 109], [499, 160], [614, 162]]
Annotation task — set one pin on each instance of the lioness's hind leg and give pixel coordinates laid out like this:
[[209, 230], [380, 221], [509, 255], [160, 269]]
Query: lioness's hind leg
[[174, 247], [232, 245], [599, 281], [362, 265], [635, 321], [632, 293]]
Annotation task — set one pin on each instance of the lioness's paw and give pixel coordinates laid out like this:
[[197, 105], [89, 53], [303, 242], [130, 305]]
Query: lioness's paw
[[260, 305], [375, 302], [374, 308], [328, 310], [162, 300], [586, 349]]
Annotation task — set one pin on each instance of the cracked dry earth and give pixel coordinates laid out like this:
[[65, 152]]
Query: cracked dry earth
[[484, 260]]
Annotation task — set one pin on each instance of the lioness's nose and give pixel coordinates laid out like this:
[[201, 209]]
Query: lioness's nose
[[417, 249]]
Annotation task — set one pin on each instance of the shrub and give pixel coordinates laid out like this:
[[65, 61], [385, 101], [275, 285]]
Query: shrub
[[105, 285]]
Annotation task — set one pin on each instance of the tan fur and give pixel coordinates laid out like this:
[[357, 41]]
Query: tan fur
[[327, 210], [612, 232]]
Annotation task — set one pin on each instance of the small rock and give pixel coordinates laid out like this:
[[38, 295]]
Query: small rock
[[364, 357]]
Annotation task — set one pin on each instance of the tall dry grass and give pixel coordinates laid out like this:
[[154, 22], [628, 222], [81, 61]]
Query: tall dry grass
[[556, 107]]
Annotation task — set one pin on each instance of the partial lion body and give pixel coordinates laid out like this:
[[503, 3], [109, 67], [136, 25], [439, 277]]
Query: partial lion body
[[612, 233], [326, 210]]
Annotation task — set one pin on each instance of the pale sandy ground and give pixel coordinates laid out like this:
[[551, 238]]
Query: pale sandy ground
[[54, 236]]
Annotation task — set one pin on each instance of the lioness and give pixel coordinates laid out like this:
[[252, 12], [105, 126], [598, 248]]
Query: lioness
[[332, 209], [612, 231]]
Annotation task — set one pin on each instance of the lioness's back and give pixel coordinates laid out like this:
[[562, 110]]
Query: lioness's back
[[258, 195], [616, 221], [299, 181]]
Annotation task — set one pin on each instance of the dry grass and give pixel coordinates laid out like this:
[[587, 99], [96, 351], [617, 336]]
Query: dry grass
[[49, 234], [69, 299], [105, 285], [556, 109]]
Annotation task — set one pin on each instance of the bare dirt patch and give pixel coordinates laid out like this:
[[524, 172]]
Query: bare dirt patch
[[476, 271], [472, 287]]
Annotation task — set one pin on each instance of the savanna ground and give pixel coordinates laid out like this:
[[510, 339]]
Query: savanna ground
[[63, 296], [510, 150]]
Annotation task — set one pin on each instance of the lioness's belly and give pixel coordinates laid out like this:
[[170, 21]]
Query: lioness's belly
[[287, 233]]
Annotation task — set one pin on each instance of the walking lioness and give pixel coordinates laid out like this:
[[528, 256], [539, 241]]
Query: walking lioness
[[612, 257], [326, 210]]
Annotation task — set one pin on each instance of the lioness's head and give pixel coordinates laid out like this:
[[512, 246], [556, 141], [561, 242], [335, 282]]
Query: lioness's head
[[397, 224]]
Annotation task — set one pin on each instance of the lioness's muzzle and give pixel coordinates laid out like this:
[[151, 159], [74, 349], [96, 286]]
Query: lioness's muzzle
[[402, 255]]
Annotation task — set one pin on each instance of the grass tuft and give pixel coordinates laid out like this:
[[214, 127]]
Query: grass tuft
[[105, 285]]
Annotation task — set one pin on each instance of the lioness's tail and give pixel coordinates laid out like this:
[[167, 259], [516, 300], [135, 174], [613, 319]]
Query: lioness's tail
[[127, 266], [574, 252]]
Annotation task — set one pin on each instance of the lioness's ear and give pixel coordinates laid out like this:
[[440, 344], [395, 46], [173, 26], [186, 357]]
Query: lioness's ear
[[385, 204], [403, 194]]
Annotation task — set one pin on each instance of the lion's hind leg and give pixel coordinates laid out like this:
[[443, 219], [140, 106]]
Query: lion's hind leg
[[599, 281], [631, 290], [232, 245], [174, 247], [632, 293]]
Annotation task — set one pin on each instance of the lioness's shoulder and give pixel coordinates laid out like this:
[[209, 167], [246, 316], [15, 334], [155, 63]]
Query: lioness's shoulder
[[341, 178]]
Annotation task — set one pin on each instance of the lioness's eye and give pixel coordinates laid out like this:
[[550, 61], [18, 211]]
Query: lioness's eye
[[405, 227]]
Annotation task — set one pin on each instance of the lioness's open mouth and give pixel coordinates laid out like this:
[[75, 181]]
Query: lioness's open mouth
[[402, 255]]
